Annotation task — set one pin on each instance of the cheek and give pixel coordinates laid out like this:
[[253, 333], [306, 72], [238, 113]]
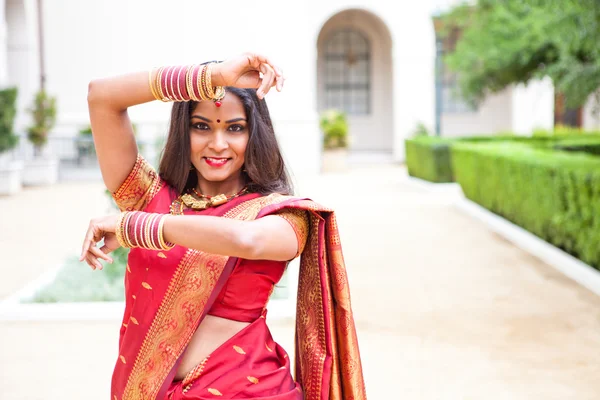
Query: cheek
[[196, 143], [240, 146]]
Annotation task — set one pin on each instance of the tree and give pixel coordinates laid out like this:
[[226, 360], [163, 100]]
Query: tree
[[503, 42]]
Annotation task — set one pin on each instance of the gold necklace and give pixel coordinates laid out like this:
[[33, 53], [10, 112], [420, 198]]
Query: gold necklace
[[199, 201]]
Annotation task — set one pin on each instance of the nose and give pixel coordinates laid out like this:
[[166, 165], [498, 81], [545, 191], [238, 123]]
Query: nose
[[218, 142]]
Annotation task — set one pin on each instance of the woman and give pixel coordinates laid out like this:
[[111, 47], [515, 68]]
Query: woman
[[210, 236]]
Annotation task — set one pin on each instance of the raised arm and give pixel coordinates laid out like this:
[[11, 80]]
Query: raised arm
[[109, 99]]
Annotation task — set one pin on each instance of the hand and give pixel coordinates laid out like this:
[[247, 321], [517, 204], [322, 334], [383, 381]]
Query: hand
[[100, 228], [244, 72]]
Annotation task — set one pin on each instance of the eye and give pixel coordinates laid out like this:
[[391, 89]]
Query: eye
[[236, 128], [201, 126]]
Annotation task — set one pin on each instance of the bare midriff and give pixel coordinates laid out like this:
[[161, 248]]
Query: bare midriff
[[212, 333]]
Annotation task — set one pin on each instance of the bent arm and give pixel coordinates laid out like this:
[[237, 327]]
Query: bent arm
[[267, 238], [108, 100]]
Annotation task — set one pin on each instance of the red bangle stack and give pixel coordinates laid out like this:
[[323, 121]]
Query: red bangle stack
[[143, 230], [185, 83]]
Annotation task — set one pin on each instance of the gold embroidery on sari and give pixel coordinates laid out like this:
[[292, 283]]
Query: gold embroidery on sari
[[309, 314], [253, 379], [214, 392], [146, 285], [161, 255], [193, 375], [180, 309], [298, 219], [239, 349], [349, 366], [140, 186], [135, 321]]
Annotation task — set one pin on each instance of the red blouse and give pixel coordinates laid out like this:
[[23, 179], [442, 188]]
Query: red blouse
[[247, 291]]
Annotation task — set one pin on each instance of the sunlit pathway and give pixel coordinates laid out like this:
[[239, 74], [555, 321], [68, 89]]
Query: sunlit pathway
[[445, 309]]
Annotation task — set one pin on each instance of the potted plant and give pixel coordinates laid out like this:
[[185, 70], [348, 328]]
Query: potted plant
[[86, 152], [42, 169], [10, 171], [334, 125]]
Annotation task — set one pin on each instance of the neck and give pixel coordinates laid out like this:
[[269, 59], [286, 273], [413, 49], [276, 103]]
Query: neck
[[227, 187]]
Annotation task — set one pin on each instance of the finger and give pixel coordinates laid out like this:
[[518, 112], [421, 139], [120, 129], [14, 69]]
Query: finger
[[106, 250], [87, 242], [255, 60], [94, 261], [258, 59], [267, 81], [100, 253], [90, 262], [279, 83]]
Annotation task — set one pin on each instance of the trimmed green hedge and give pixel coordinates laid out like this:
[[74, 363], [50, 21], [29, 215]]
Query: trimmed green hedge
[[429, 157], [590, 145], [553, 194]]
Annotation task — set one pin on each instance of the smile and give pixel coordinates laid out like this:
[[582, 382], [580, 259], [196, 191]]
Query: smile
[[216, 162]]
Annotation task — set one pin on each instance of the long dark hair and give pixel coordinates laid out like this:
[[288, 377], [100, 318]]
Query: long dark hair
[[264, 169]]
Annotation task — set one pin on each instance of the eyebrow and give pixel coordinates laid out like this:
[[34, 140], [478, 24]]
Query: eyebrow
[[227, 122]]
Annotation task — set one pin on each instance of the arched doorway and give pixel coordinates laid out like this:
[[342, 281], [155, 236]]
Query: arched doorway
[[354, 74]]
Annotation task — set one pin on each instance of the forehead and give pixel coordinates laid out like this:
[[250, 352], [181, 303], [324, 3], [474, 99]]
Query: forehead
[[231, 106]]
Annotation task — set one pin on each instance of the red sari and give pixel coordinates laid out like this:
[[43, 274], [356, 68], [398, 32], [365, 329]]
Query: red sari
[[169, 293]]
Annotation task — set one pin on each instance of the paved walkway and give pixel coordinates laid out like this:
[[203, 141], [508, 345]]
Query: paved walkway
[[445, 309]]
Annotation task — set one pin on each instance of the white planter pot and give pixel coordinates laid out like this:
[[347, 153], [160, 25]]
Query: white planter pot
[[40, 171], [11, 175], [335, 160]]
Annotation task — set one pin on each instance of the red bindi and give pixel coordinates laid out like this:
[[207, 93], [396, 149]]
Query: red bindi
[[219, 121]]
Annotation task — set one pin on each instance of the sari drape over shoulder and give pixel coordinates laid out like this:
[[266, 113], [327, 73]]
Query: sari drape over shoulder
[[169, 293]]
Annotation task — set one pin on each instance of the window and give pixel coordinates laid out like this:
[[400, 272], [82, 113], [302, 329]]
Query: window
[[347, 72], [451, 101]]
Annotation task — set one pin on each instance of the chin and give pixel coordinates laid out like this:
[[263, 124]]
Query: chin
[[216, 176]]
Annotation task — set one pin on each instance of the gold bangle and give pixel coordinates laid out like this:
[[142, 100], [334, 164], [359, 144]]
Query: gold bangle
[[161, 237], [169, 83], [119, 229], [208, 82], [159, 87], [151, 84], [200, 83], [189, 84], [126, 237]]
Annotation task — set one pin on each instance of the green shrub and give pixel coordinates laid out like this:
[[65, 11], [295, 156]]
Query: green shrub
[[591, 145], [334, 125], [420, 130], [428, 158], [8, 111], [43, 113], [553, 194]]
